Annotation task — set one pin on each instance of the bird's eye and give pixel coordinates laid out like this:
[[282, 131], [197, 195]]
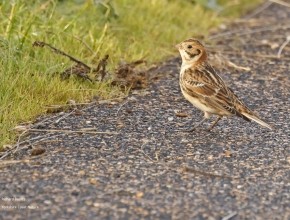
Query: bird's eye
[[189, 47]]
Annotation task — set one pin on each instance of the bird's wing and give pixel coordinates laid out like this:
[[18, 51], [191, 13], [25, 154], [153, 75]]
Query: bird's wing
[[207, 84]]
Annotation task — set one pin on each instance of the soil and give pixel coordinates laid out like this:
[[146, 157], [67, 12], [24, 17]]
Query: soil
[[143, 166]]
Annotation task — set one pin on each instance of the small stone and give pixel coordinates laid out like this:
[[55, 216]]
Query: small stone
[[37, 151], [180, 114], [97, 204], [74, 193], [170, 118], [82, 172], [139, 195], [93, 181], [227, 153], [88, 202], [45, 169], [47, 202], [210, 157]]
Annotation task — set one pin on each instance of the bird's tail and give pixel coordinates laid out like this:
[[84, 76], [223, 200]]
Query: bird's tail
[[256, 119]]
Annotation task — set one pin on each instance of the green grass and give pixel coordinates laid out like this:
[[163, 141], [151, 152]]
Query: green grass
[[125, 29]]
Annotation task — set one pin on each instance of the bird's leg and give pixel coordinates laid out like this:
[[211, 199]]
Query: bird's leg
[[206, 116], [198, 124], [215, 122]]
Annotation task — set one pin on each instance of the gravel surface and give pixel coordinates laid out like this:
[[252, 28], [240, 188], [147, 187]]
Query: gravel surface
[[146, 168]]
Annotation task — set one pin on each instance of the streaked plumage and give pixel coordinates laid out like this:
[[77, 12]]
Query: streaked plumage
[[205, 89]]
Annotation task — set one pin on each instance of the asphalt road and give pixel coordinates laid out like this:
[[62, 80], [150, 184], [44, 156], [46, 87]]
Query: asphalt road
[[146, 168]]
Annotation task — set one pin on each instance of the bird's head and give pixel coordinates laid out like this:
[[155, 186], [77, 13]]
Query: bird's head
[[191, 51]]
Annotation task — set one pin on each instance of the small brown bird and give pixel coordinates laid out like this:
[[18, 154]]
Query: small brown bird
[[205, 89]]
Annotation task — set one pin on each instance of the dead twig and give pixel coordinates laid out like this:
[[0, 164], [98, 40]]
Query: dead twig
[[57, 51], [283, 46], [229, 216], [69, 105], [16, 146], [142, 151], [280, 2], [101, 68], [42, 121], [8, 162], [64, 116], [200, 172], [221, 62], [265, 56], [239, 33], [18, 141], [80, 69], [121, 107], [83, 131], [259, 10], [235, 66], [89, 104]]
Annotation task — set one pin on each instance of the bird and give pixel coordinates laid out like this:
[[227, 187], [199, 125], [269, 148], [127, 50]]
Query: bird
[[201, 85]]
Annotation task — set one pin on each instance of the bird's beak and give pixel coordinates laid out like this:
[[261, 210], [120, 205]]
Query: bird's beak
[[177, 46]]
